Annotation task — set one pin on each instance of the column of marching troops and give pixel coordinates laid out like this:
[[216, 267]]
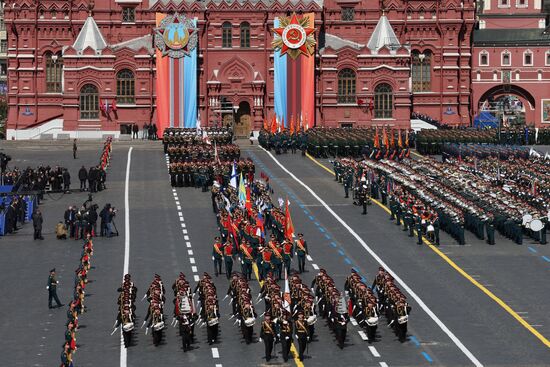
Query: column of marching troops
[[76, 307], [491, 188], [287, 316], [384, 141]]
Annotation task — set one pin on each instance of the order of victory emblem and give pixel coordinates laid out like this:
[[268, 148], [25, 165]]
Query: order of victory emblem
[[176, 36], [294, 37]]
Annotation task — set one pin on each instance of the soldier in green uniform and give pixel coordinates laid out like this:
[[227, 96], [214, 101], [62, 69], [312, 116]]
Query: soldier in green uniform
[[51, 286], [301, 252]]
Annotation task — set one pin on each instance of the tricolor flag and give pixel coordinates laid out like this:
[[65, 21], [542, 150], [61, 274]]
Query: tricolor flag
[[286, 294], [233, 180]]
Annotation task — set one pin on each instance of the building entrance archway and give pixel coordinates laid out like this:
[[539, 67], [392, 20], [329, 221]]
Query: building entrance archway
[[241, 126], [512, 105]]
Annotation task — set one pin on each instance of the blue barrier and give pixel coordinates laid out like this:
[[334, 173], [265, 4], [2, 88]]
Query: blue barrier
[[6, 188], [2, 223], [30, 205]]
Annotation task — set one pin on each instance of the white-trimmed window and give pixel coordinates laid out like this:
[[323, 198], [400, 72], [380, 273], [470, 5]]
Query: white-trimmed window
[[528, 58], [521, 3], [504, 3], [484, 58], [547, 58], [506, 58], [421, 14]]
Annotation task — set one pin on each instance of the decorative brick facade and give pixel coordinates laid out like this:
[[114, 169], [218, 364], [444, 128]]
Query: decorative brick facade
[[241, 77]]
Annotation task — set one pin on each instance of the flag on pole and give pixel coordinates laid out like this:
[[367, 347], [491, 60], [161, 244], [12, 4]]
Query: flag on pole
[[205, 137], [392, 139], [242, 191], [248, 204], [289, 227], [286, 294], [385, 138], [233, 180], [216, 157], [273, 124], [376, 143], [399, 140], [407, 138]]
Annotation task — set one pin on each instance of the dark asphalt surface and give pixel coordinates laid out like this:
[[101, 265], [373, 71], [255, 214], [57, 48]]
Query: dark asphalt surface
[[158, 245]]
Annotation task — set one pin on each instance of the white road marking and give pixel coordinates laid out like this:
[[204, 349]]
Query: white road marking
[[374, 351], [190, 252], [353, 321], [188, 244], [178, 203], [184, 230], [192, 260], [383, 364], [183, 225], [218, 365], [186, 238], [194, 269], [315, 266], [408, 289], [215, 353], [363, 335], [197, 278], [123, 353], [309, 258]]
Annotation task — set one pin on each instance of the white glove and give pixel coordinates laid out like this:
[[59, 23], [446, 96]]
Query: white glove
[[260, 340], [213, 258], [47, 287]]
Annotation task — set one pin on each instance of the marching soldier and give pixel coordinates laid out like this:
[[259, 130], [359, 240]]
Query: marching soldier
[[288, 254], [266, 261], [267, 333], [301, 252], [302, 335], [228, 258], [286, 335], [217, 255], [247, 259]]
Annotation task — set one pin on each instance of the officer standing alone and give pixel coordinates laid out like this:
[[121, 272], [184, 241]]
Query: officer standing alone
[[51, 286]]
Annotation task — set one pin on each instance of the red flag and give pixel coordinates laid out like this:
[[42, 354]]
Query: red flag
[[399, 141], [407, 138], [274, 124], [289, 227], [392, 139], [265, 124], [385, 138], [291, 124], [248, 204], [376, 140]]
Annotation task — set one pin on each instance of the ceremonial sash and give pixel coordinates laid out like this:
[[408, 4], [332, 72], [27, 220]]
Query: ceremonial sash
[[268, 327], [245, 250], [216, 248], [301, 327], [276, 252], [300, 245]]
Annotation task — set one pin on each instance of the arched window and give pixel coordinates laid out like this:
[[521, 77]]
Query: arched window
[[125, 86], [54, 73], [227, 41], [89, 102], [421, 71], [346, 86], [383, 101], [245, 34]]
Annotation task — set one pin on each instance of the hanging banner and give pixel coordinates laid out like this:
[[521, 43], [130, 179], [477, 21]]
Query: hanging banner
[[294, 68], [176, 40]]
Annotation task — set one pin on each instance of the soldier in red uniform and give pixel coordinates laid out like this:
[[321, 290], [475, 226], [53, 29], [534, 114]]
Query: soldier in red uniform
[[217, 255], [228, 258], [288, 254]]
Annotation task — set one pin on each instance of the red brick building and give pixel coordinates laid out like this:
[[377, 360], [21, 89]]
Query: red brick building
[[376, 62], [511, 61]]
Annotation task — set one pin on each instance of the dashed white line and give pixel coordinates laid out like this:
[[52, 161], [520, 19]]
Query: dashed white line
[[194, 269], [183, 224], [188, 244], [353, 321], [315, 266], [363, 335], [218, 365], [184, 230], [383, 364], [192, 260], [190, 252], [215, 353], [197, 278], [309, 258], [178, 203], [382, 263], [374, 351], [186, 238], [180, 214]]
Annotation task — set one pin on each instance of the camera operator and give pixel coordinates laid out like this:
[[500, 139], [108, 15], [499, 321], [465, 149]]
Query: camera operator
[[92, 220], [107, 215]]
